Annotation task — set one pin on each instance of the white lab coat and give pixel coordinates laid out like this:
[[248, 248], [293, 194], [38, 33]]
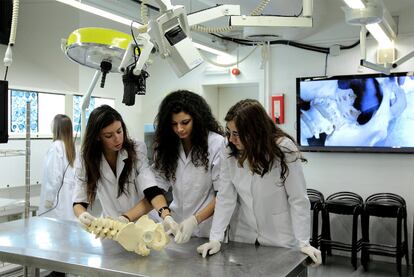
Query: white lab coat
[[107, 185], [268, 211], [194, 187], [57, 174]]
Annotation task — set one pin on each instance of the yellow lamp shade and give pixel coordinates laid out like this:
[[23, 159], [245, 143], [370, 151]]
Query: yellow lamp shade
[[91, 46]]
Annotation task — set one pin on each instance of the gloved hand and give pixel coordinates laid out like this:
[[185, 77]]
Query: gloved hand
[[123, 219], [313, 253], [211, 247], [48, 204], [186, 229], [86, 219], [170, 226]]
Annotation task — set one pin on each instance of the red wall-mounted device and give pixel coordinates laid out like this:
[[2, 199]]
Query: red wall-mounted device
[[278, 108]]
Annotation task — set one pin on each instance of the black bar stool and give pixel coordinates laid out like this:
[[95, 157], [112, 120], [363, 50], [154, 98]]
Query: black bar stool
[[387, 205], [317, 201], [344, 203]]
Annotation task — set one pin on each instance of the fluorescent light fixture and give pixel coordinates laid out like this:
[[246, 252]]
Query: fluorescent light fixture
[[99, 12], [379, 33], [375, 16], [210, 49], [355, 4]]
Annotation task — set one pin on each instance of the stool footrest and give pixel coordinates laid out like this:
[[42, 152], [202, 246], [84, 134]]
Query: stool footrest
[[341, 245]]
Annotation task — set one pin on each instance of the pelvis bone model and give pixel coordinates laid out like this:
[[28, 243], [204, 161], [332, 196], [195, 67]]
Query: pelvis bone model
[[138, 237]]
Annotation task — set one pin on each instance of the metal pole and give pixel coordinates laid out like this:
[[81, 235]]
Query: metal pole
[[27, 174], [86, 100], [27, 164], [266, 72]]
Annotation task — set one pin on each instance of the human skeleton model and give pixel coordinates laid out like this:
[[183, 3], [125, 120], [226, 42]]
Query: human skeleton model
[[139, 237]]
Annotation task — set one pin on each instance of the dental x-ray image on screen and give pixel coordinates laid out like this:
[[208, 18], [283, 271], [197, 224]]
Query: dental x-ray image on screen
[[358, 113]]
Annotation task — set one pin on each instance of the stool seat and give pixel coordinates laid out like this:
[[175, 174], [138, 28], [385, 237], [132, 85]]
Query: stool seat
[[385, 205], [343, 203], [316, 200], [342, 207]]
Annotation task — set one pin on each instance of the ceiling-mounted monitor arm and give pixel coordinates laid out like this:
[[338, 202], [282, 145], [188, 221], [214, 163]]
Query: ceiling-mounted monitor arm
[[402, 60], [363, 62], [385, 68], [377, 67]]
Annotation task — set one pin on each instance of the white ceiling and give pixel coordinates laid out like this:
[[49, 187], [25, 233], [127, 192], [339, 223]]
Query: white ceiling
[[328, 17]]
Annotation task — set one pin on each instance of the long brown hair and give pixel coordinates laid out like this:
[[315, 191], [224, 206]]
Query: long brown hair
[[62, 130], [92, 150], [260, 137]]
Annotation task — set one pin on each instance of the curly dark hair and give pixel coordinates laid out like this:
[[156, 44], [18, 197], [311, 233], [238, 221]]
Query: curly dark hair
[[92, 150], [166, 142], [259, 136]]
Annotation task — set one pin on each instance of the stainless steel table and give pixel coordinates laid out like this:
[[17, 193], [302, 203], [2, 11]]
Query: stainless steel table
[[64, 246]]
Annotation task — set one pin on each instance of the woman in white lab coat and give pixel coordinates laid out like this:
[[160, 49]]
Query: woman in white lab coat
[[261, 172], [58, 172], [187, 143], [112, 166]]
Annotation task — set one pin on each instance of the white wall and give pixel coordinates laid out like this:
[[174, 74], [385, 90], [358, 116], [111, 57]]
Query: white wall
[[39, 64], [364, 174]]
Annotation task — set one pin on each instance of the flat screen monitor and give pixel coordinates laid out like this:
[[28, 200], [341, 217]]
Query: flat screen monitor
[[356, 113], [4, 134], [6, 10]]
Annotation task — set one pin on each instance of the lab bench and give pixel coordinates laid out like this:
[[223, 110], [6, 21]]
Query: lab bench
[[39, 242]]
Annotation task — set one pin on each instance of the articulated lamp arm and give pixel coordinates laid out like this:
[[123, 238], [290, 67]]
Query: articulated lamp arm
[[145, 45]]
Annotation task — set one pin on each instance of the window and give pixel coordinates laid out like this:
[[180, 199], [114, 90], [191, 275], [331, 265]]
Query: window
[[18, 101], [43, 107], [94, 103]]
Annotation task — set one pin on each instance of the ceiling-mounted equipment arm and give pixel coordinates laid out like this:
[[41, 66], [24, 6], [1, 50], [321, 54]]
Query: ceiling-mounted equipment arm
[[212, 13], [402, 60], [165, 5], [170, 33], [276, 21], [145, 45]]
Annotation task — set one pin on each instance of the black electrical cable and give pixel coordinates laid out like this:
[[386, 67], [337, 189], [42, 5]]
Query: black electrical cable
[[136, 43], [314, 48], [326, 63], [5, 73], [58, 192]]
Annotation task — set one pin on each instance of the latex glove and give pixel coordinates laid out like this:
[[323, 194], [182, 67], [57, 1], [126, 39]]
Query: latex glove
[[313, 253], [123, 219], [48, 204], [170, 226], [86, 219], [186, 229], [211, 247]]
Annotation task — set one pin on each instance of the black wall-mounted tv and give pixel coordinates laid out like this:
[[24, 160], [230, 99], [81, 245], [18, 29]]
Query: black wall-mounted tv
[[4, 111], [356, 113], [6, 10]]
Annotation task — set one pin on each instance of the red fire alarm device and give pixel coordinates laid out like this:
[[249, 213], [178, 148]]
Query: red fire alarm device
[[278, 109]]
